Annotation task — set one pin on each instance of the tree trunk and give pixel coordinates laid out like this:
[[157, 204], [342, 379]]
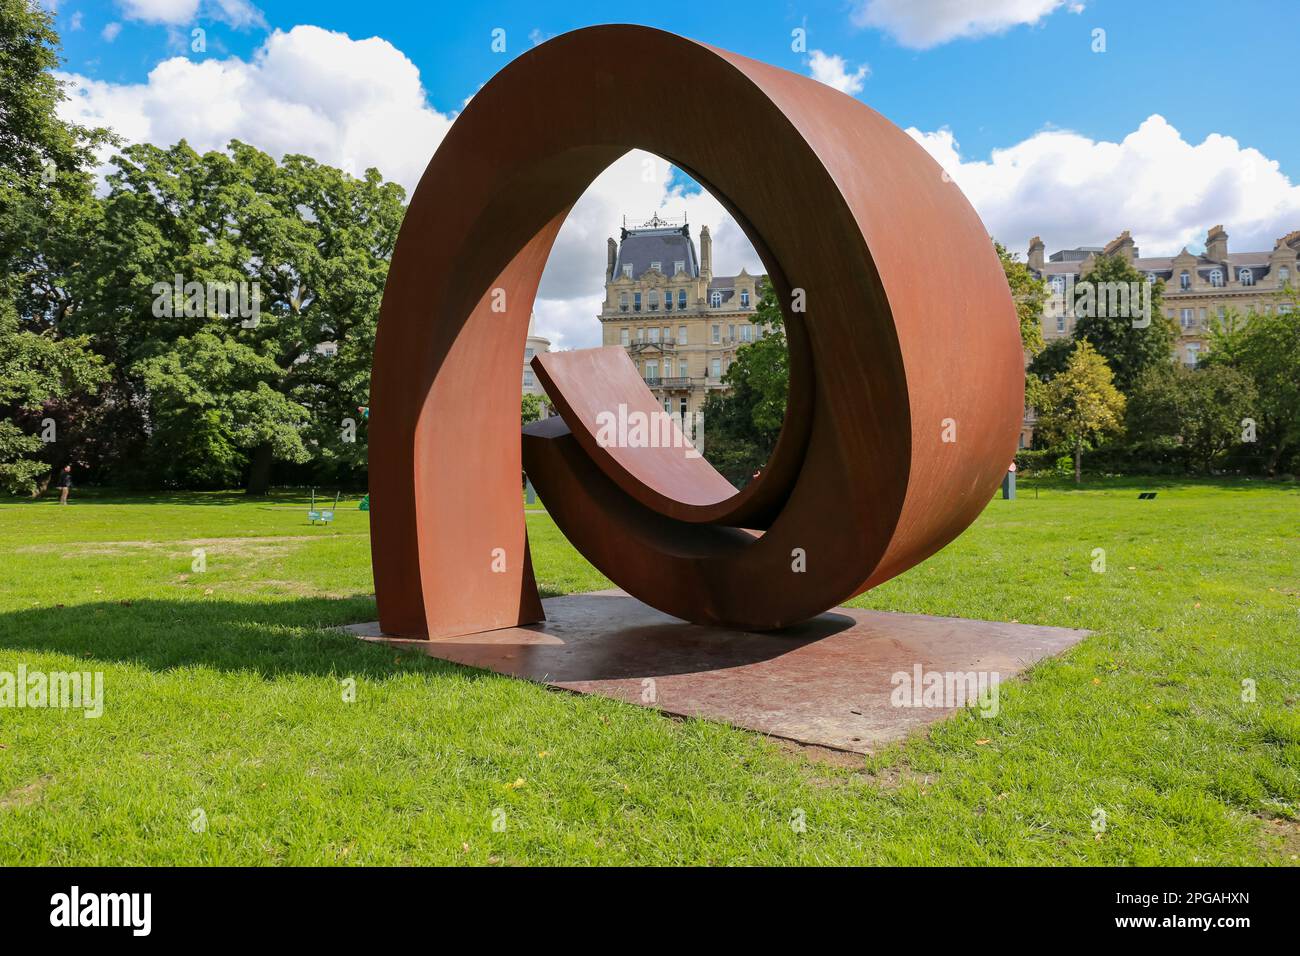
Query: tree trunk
[[1078, 464], [1271, 467], [259, 470]]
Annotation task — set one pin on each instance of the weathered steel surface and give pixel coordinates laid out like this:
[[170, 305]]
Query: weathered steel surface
[[827, 681], [840, 204]]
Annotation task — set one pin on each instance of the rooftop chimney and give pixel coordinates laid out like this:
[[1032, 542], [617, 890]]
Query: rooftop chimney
[[1216, 244], [1036, 249]]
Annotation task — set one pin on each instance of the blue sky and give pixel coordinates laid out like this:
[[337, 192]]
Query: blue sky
[[1207, 67], [1184, 120]]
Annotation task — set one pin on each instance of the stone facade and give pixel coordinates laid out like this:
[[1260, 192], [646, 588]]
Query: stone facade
[[1198, 289], [680, 324]]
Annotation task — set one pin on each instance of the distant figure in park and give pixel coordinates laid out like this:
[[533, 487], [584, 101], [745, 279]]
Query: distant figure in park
[[65, 484]]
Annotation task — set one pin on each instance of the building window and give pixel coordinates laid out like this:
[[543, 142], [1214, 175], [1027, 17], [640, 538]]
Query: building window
[[717, 334], [640, 334], [668, 334], [715, 299], [1245, 277], [1284, 308], [1220, 312], [624, 336], [744, 299], [1058, 285], [1204, 316], [654, 333], [679, 267], [654, 301], [681, 335], [1193, 353], [683, 406], [528, 354], [651, 371], [528, 378], [1283, 275], [657, 266], [636, 301], [1185, 280], [622, 302], [1216, 278], [668, 370], [627, 271], [668, 301], [746, 333], [681, 300], [715, 368], [1151, 278], [1185, 317], [1060, 322]]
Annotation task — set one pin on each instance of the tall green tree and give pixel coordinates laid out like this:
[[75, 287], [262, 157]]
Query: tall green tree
[[1122, 336], [1201, 409], [240, 298], [1265, 346], [46, 206], [1081, 405]]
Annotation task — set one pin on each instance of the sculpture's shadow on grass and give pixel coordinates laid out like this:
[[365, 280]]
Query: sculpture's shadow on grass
[[273, 638]]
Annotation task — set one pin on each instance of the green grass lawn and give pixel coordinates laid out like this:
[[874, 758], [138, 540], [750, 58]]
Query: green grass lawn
[[224, 694]]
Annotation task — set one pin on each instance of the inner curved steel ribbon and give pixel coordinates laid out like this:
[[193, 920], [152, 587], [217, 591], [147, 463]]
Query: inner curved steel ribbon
[[906, 389]]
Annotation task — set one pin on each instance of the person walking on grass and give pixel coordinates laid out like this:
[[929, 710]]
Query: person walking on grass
[[65, 484]]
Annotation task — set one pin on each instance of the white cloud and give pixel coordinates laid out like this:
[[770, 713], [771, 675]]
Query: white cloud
[[349, 103], [110, 32], [832, 70], [921, 24], [1074, 191], [237, 13], [74, 22], [160, 11]]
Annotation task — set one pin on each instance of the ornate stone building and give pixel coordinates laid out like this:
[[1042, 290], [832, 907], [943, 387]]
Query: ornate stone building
[[681, 324], [1197, 288]]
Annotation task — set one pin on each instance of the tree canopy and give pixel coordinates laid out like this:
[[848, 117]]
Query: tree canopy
[[1081, 405]]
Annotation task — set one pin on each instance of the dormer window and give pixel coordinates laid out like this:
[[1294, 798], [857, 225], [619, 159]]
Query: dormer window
[[657, 266], [1216, 278], [1245, 277], [1058, 285], [679, 267], [1151, 278], [715, 299], [1283, 275], [744, 299], [627, 272], [1185, 280]]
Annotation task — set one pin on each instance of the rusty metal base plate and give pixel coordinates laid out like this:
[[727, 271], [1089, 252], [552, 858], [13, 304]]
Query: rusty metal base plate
[[831, 682]]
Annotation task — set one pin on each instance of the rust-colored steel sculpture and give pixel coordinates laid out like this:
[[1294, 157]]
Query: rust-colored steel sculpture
[[906, 383]]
